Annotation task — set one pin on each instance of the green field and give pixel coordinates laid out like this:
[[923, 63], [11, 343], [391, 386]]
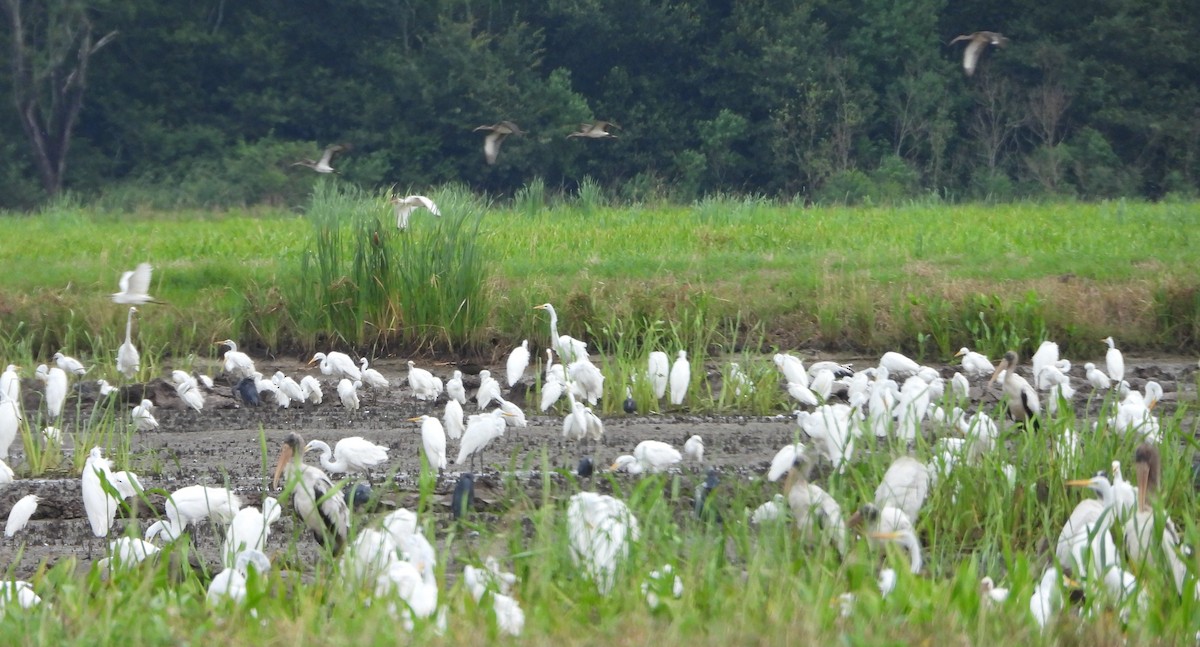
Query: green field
[[922, 278]]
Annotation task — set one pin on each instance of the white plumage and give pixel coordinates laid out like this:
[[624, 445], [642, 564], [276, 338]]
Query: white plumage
[[513, 416], [143, 416], [69, 364], [338, 365], [21, 511], [288, 389], [1114, 361], [18, 591], [455, 389], [649, 456], [792, 369], [55, 380], [905, 486], [489, 389], [405, 206], [588, 379], [128, 358], [1096, 377], [192, 504], [351, 454], [482, 429], [975, 364], [899, 365], [134, 286], [249, 530], [424, 385], [600, 530], [348, 393], [372, 378], [433, 440], [681, 376], [693, 448], [237, 364], [783, 461], [312, 389], [10, 422], [659, 370], [188, 390], [518, 361], [101, 507], [452, 419]]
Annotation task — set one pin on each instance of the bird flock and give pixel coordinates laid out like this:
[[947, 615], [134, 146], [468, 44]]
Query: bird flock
[[837, 408]]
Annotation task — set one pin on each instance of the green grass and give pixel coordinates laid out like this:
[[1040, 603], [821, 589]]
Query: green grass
[[921, 278]]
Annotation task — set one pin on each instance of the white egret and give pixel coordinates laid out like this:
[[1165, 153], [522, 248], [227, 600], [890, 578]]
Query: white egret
[[19, 592], [960, 387], [792, 369], [899, 365], [1023, 405], [237, 363], [193, 504], [681, 376], [338, 365], [424, 385], [324, 511], [836, 426], [821, 384], [288, 389], [1059, 385], [100, 506], [10, 422], [802, 394], [370, 554], [433, 440], [555, 371], [312, 389], [513, 416], [1096, 377], [649, 456], [1115, 362], [1125, 496], [784, 459], [975, 364], [1135, 414], [249, 530], [905, 486], [488, 578], [772, 510], [455, 389], [1087, 530], [552, 390], [412, 582], [406, 205], [10, 383], [143, 416], [371, 378], [69, 364], [693, 448], [6, 474], [21, 511], [510, 618], [600, 530], [1045, 355], [976, 43], [127, 552], [482, 429], [348, 394], [351, 454], [134, 286], [452, 419], [658, 369], [742, 384], [55, 380], [911, 408], [230, 583], [568, 348], [106, 389], [587, 380], [128, 358], [575, 422], [1047, 598], [489, 389], [188, 390], [518, 361], [991, 594]]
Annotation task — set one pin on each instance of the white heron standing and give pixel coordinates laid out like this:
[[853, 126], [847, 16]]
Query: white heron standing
[[518, 361], [433, 441], [351, 454], [128, 358], [681, 376]]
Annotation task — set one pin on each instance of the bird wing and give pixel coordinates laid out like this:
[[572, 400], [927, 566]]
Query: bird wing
[[491, 146], [427, 203], [330, 151], [139, 279], [971, 54]]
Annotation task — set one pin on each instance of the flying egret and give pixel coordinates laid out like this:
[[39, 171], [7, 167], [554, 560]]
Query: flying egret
[[600, 530], [482, 429], [568, 348], [69, 364], [21, 511], [433, 440], [452, 419], [658, 370], [351, 454], [237, 363], [128, 358], [681, 375], [1115, 362], [424, 384], [455, 389], [489, 389], [193, 504], [100, 506], [348, 394], [518, 361], [337, 364], [649, 456], [497, 133], [323, 165], [371, 378], [693, 448], [406, 205], [976, 43], [323, 511], [1023, 405], [134, 286]]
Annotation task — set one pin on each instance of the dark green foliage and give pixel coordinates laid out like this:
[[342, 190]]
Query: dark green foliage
[[208, 104]]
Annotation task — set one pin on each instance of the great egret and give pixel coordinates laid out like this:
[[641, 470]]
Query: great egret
[[348, 394], [371, 378], [128, 358], [406, 205], [455, 389], [482, 429], [322, 510], [424, 385], [497, 132], [101, 507], [55, 380], [18, 591], [322, 165], [1047, 598], [312, 389], [783, 461], [975, 364], [188, 390], [249, 530], [905, 485], [899, 365], [351, 454], [693, 448], [568, 348], [513, 416], [134, 286], [600, 530], [6, 474], [658, 369], [1087, 530], [237, 363], [230, 584], [192, 504], [288, 389], [1115, 362], [1096, 377], [991, 594], [452, 419], [586, 380], [21, 511], [595, 130], [976, 42], [433, 440], [143, 416], [489, 389], [649, 456], [69, 364], [338, 365], [518, 361], [792, 369], [1023, 405], [681, 376], [10, 383]]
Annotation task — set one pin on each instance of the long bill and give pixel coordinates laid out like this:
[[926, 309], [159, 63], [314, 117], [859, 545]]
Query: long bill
[[285, 456], [1080, 483], [1003, 366]]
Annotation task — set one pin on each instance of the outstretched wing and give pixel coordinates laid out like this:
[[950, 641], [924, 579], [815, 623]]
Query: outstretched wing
[[971, 54], [139, 280], [491, 146]]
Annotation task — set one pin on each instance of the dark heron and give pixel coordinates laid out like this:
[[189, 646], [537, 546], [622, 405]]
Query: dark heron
[[247, 391], [464, 496], [630, 404], [703, 491], [357, 495], [585, 468]]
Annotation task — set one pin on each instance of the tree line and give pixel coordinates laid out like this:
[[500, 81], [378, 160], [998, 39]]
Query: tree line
[[141, 102]]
